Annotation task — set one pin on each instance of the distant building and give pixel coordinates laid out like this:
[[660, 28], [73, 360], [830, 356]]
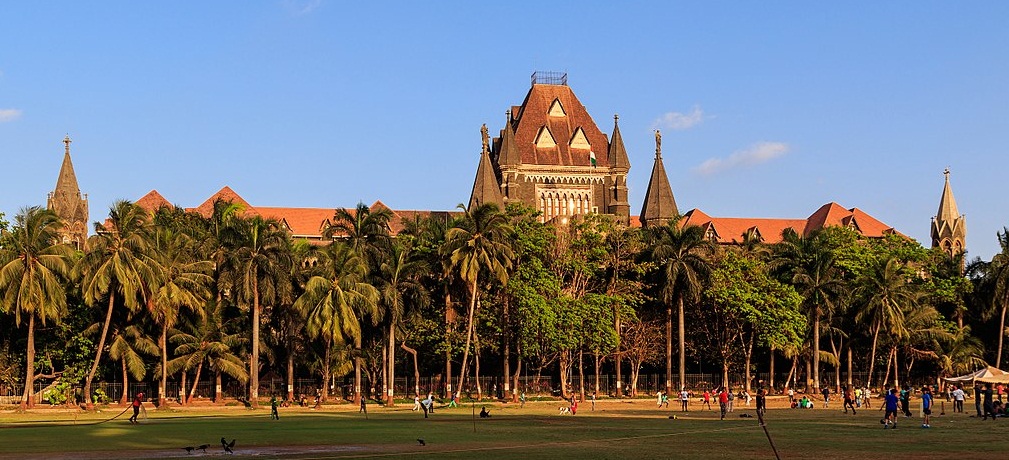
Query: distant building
[[949, 227], [68, 203], [734, 230], [551, 156]]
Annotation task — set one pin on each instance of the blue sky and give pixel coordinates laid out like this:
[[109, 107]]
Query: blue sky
[[768, 109]]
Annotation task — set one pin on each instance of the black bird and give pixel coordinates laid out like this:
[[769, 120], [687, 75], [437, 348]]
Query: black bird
[[203, 447], [421, 442], [228, 446], [189, 449]]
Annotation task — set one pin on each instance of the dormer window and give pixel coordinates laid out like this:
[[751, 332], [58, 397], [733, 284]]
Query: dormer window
[[579, 141], [556, 109], [544, 139]]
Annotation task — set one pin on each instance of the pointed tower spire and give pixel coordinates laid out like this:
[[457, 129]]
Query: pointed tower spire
[[617, 153], [509, 153], [66, 201], [659, 206], [949, 227], [485, 187]]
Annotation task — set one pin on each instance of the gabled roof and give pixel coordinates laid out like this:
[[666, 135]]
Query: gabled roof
[[225, 194], [732, 229], [533, 116], [153, 201]]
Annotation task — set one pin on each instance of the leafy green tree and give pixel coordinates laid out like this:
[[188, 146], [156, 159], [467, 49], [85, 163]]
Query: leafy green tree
[[116, 264], [259, 266], [479, 242], [32, 278], [335, 303], [681, 255]]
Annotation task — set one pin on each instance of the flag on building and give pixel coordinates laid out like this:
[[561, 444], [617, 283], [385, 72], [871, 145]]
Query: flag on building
[[592, 158]]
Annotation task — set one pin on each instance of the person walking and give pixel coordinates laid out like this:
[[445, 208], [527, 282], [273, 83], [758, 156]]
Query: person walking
[[593, 401], [731, 397], [761, 402], [707, 399], [416, 403], [791, 395], [826, 396], [890, 403], [274, 413], [989, 408], [684, 396], [138, 400], [926, 405], [958, 397], [522, 400], [977, 398], [905, 401], [849, 400], [723, 402]]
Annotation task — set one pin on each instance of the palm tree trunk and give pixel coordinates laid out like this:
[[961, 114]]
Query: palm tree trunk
[[357, 371], [683, 344], [872, 356], [1001, 334], [669, 349], [416, 368], [392, 365], [28, 399], [254, 361], [384, 375], [598, 364], [469, 337], [163, 344], [126, 384], [749, 359], [816, 349], [327, 356], [791, 373], [217, 387], [88, 402], [448, 343], [515, 380], [896, 369], [476, 367], [770, 374], [290, 374], [196, 382], [182, 388], [505, 330], [616, 353], [849, 364], [581, 375]]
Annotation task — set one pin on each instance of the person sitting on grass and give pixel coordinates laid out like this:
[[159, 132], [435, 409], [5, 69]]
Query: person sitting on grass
[[484, 413]]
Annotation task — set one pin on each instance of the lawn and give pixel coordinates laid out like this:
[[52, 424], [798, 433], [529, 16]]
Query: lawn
[[616, 429]]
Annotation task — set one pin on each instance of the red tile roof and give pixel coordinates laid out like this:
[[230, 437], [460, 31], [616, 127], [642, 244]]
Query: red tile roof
[[152, 201], [534, 115], [732, 229]]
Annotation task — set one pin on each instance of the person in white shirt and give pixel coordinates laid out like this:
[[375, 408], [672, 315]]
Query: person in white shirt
[[958, 397], [684, 396]]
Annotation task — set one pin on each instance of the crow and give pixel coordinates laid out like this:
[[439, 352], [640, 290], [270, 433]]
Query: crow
[[421, 442], [228, 446], [203, 447], [189, 449]]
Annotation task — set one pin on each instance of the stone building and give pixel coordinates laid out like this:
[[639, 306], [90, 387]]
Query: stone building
[[68, 203], [949, 227], [552, 156]]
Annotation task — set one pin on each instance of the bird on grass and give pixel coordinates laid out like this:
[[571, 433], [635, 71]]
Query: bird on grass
[[203, 447], [189, 449], [421, 442], [228, 446]]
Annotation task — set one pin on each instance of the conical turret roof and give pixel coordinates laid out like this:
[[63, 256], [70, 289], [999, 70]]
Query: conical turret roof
[[485, 187], [659, 206], [617, 153]]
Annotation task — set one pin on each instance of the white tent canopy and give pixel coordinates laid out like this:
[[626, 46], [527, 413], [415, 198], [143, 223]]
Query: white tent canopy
[[987, 375]]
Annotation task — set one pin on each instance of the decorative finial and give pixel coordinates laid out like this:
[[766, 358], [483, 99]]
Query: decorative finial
[[658, 144], [616, 117], [67, 141], [945, 172], [486, 138]]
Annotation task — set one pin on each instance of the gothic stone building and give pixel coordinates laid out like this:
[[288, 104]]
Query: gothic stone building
[[68, 203]]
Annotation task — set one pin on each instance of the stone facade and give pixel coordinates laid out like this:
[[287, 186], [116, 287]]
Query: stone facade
[[949, 227], [68, 203]]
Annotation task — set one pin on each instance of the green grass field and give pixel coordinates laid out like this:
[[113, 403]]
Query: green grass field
[[616, 429]]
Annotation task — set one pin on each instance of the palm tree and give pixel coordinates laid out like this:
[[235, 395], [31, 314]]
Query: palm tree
[[478, 242], [126, 346], [183, 282], [400, 275], [811, 268], [993, 280], [206, 341], [335, 303], [32, 278], [887, 295], [681, 254], [366, 230], [117, 263], [258, 265]]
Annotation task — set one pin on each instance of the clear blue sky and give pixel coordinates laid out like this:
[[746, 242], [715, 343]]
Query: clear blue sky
[[768, 109]]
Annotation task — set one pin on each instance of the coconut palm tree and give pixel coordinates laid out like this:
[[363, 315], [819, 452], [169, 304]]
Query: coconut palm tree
[[334, 305], [993, 286], [479, 242], [401, 289], [887, 296], [183, 282], [810, 266], [206, 341], [682, 256], [116, 264], [32, 278], [127, 345], [366, 230], [258, 266]]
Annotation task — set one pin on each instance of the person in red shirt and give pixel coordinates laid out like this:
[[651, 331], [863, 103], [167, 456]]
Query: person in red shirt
[[137, 401], [707, 399], [723, 401]]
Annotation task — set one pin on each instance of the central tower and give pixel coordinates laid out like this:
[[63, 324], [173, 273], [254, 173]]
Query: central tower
[[551, 156]]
